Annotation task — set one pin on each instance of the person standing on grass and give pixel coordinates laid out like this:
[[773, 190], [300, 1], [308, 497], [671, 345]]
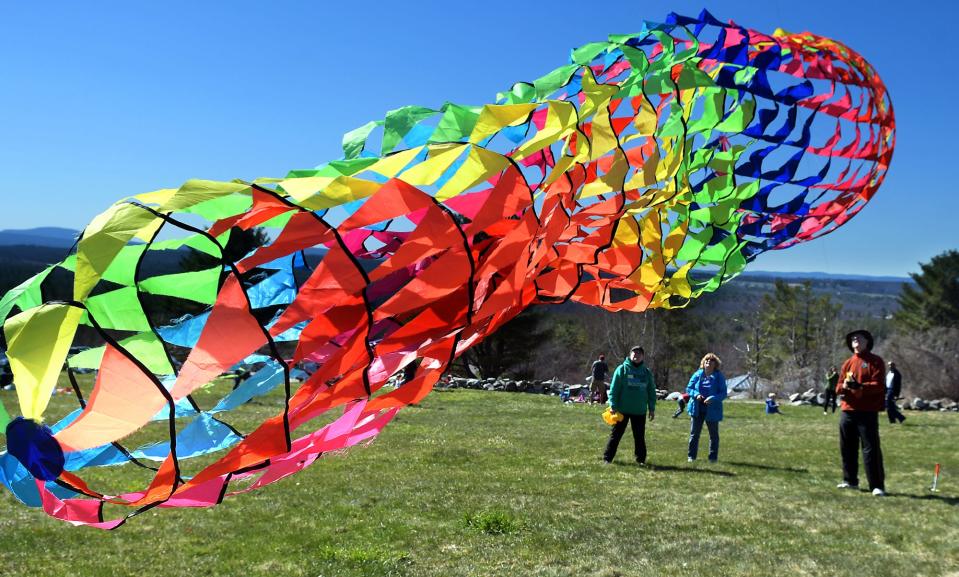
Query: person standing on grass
[[632, 392], [706, 389], [832, 379], [893, 392], [862, 389], [597, 386]]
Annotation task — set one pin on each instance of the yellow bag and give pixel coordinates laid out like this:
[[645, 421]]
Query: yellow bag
[[612, 417]]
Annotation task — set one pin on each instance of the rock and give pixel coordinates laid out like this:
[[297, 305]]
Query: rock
[[674, 396], [795, 397], [947, 404], [919, 404], [811, 397], [935, 405]]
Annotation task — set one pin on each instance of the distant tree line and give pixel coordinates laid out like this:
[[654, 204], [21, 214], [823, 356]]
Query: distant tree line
[[788, 338]]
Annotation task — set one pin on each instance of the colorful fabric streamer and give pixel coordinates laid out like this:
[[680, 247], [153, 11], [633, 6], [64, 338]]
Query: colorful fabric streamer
[[647, 171]]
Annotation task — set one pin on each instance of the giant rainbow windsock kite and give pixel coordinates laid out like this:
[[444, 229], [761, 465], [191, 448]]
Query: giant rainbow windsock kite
[[647, 171]]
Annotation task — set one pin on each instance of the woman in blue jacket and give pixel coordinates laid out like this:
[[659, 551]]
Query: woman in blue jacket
[[706, 390]]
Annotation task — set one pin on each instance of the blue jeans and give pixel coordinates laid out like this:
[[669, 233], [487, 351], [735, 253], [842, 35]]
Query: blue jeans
[[695, 429]]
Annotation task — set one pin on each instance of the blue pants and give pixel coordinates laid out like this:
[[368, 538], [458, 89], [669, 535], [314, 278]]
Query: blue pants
[[695, 429]]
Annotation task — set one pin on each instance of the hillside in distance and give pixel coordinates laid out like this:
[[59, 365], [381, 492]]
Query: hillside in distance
[[47, 236], [858, 295]]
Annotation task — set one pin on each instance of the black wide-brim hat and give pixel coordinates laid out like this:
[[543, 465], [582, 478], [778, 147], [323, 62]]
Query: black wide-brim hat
[[866, 334]]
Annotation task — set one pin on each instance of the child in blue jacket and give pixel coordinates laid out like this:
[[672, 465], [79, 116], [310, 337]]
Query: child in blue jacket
[[772, 407]]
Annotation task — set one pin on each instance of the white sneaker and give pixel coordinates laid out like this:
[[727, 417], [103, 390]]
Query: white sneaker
[[845, 485], [878, 493], [690, 459]]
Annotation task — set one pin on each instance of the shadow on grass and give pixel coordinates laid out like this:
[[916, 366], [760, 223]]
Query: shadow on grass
[[929, 497], [690, 469], [912, 425], [768, 467]]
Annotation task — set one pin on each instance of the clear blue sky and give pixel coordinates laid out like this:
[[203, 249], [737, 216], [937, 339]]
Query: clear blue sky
[[106, 99]]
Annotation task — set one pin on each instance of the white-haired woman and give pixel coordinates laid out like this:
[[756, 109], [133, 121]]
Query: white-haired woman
[[706, 390]]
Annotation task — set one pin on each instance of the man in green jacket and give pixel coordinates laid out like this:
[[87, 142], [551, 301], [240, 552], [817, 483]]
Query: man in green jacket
[[632, 393]]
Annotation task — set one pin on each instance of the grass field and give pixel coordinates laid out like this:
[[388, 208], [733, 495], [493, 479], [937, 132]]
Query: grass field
[[475, 483]]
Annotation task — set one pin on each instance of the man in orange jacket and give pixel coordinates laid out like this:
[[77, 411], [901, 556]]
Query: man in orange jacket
[[862, 386]]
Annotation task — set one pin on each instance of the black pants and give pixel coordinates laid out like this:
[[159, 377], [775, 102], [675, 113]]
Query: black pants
[[892, 410], [830, 400], [857, 427], [681, 406], [639, 437]]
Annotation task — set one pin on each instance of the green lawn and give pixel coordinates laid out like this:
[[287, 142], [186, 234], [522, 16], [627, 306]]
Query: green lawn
[[474, 483]]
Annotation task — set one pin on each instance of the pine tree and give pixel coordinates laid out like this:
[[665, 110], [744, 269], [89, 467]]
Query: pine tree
[[240, 243], [934, 301], [803, 333], [510, 349]]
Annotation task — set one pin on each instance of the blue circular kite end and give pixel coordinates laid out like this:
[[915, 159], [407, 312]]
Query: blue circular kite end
[[34, 446]]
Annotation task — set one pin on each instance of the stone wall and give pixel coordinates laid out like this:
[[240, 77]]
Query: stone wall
[[556, 387], [549, 387], [813, 397]]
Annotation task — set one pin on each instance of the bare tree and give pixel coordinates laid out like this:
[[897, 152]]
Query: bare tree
[[752, 348], [928, 361]]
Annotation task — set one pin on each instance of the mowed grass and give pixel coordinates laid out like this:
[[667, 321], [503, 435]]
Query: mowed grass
[[476, 483]]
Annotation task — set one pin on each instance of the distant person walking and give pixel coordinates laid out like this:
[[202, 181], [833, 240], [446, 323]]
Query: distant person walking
[[862, 388], [632, 392], [706, 389], [681, 404], [597, 387], [893, 392], [832, 378]]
